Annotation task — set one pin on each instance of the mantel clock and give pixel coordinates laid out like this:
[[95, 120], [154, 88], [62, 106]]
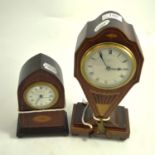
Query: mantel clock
[[108, 62], [41, 98]]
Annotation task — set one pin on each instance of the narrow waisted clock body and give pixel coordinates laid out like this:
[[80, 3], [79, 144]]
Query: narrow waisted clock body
[[108, 62]]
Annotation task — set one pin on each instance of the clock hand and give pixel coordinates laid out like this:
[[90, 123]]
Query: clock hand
[[108, 67], [38, 99], [101, 56], [123, 68], [45, 97], [118, 69]]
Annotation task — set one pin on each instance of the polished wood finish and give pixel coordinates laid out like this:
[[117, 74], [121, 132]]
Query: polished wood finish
[[116, 128], [34, 71], [118, 32], [42, 124]]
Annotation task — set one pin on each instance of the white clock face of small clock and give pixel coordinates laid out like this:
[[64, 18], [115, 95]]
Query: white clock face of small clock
[[41, 95], [108, 65]]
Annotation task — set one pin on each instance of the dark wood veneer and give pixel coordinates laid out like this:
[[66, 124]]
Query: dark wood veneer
[[118, 32], [49, 122], [125, 36]]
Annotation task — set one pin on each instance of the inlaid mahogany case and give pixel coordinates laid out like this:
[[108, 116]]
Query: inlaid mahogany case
[[116, 31], [53, 120], [37, 122]]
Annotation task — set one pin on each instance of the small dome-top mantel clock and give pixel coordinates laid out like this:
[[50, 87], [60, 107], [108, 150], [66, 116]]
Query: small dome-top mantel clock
[[108, 62], [41, 98]]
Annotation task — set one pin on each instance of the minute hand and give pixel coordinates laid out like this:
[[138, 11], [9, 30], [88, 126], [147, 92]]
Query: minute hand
[[101, 56]]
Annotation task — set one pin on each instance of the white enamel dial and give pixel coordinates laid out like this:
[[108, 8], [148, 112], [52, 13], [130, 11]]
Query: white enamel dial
[[108, 65], [41, 95]]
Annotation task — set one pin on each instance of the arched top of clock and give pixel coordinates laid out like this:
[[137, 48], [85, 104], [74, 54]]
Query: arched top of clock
[[40, 62], [115, 31]]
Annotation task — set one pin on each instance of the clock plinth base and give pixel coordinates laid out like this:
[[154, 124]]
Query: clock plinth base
[[116, 128], [42, 124]]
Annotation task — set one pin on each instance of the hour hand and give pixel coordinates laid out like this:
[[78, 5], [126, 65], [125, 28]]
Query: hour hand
[[118, 69]]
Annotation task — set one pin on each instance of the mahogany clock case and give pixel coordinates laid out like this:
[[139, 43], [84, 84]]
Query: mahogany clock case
[[34, 71], [117, 32], [42, 124], [114, 32], [41, 68], [117, 128]]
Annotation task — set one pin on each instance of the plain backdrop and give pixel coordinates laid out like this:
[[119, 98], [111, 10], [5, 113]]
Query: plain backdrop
[[29, 27]]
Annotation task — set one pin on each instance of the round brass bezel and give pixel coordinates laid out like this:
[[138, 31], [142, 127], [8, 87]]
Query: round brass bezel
[[41, 84], [106, 45]]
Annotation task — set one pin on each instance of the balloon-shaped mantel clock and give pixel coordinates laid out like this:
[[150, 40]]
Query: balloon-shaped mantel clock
[[108, 62], [41, 98]]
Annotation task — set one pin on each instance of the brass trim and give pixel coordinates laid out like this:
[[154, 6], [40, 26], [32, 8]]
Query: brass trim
[[38, 84], [114, 45]]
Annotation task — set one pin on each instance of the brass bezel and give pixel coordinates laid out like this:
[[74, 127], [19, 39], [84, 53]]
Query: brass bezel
[[114, 45], [38, 84]]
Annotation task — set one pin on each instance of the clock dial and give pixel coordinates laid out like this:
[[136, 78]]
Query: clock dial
[[108, 65], [41, 95]]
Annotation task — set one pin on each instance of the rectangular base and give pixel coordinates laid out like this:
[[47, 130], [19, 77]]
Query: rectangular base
[[42, 124], [116, 128]]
